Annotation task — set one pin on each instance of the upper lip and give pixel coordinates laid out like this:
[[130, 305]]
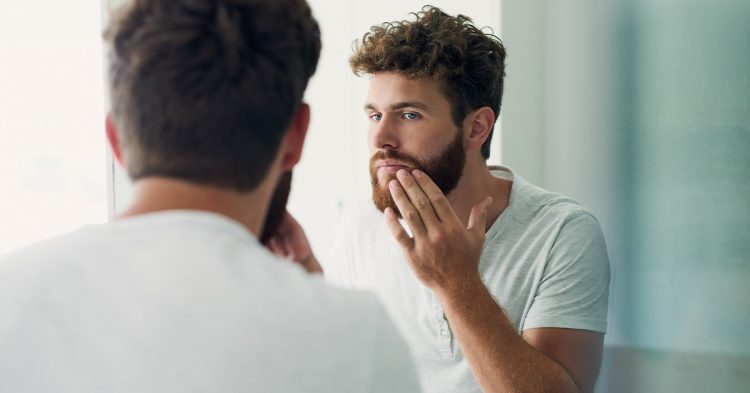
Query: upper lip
[[385, 163]]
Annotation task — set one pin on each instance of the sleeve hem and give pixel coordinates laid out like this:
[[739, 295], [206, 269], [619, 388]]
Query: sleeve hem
[[596, 325]]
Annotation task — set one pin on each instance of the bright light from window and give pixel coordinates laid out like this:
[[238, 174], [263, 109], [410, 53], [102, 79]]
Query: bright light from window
[[52, 152]]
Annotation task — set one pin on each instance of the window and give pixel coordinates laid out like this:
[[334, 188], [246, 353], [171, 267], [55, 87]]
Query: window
[[52, 151]]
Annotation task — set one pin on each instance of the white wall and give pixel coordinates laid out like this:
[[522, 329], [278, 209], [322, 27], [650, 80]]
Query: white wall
[[51, 142]]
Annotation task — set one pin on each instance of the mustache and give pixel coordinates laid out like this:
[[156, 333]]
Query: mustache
[[395, 155]]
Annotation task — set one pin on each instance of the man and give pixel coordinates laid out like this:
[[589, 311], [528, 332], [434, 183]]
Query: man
[[177, 294], [498, 285]]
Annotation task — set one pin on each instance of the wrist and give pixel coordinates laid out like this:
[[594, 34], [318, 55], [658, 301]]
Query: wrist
[[457, 290]]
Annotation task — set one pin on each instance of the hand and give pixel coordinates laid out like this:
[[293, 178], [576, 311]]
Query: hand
[[443, 254], [290, 242]]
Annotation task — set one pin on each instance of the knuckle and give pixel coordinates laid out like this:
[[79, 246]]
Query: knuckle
[[411, 214], [437, 199], [421, 203], [443, 203], [439, 237]]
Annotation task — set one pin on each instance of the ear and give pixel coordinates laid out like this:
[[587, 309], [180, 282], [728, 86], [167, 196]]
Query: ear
[[294, 140], [113, 138], [477, 126]]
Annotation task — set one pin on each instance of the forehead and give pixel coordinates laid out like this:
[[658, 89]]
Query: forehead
[[389, 88]]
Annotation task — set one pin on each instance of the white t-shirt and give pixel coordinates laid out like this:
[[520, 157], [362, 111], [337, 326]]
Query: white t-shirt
[[544, 261], [185, 301]]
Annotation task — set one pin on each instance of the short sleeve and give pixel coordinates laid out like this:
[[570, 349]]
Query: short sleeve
[[574, 290]]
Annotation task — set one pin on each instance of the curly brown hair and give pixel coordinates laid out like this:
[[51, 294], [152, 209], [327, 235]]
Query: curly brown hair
[[468, 62], [204, 90]]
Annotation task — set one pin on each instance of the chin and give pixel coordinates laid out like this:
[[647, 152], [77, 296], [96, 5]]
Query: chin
[[384, 180]]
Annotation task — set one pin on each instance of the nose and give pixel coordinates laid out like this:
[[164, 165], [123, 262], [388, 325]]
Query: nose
[[383, 134]]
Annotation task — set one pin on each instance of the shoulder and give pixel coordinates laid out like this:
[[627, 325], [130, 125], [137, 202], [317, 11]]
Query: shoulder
[[364, 334], [343, 305], [340, 308], [44, 254], [541, 205], [356, 319]]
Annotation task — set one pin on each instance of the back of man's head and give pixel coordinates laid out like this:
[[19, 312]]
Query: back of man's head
[[203, 90]]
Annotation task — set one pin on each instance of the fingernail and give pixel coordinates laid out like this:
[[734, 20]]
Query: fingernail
[[416, 173]]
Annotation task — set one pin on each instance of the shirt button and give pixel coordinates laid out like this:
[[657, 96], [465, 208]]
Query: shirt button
[[444, 333]]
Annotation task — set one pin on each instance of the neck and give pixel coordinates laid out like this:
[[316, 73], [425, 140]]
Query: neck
[[476, 183], [155, 194]]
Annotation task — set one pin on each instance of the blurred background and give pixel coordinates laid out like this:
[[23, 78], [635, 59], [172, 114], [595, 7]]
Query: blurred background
[[640, 109]]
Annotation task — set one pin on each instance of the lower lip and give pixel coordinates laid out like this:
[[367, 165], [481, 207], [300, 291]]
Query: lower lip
[[390, 169]]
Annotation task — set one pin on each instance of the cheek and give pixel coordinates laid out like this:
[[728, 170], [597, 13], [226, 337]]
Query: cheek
[[427, 148], [371, 138]]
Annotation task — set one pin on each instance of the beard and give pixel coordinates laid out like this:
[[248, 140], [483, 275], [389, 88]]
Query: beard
[[277, 208], [445, 171]]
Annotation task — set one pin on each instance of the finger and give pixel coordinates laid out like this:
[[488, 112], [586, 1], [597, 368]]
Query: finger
[[288, 223], [282, 247], [408, 211], [418, 199], [288, 251], [439, 202], [478, 216], [398, 232], [275, 247], [285, 224]]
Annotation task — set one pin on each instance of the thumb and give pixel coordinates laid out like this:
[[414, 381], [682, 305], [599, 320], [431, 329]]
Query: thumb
[[478, 216]]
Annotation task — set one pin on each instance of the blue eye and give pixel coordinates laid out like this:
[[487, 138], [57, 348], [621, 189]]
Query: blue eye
[[411, 116], [376, 117]]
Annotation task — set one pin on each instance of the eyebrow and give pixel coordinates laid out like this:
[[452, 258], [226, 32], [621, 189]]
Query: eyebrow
[[402, 105]]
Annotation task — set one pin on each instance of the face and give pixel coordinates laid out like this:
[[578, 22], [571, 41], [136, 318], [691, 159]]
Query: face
[[410, 127]]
